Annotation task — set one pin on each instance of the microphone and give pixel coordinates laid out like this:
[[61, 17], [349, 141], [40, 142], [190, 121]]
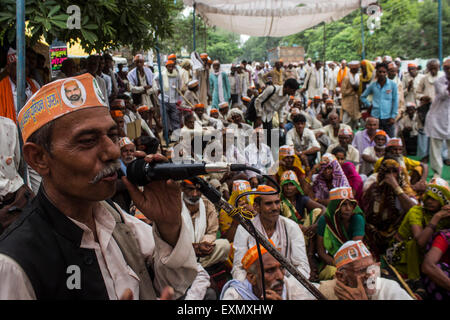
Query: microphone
[[140, 172]]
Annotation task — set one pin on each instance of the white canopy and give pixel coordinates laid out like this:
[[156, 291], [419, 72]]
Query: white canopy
[[274, 18]]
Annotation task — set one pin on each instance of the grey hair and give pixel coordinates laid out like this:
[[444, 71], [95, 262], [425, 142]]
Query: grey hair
[[331, 113], [433, 61]]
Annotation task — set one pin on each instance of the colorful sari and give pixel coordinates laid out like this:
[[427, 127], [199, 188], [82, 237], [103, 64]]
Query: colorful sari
[[320, 185], [354, 179], [289, 210], [225, 221], [335, 235], [405, 254], [296, 167], [365, 80], [436, 292], [379, 205]]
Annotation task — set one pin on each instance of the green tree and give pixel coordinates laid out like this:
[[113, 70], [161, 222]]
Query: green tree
[[104, 23], [408, 30]]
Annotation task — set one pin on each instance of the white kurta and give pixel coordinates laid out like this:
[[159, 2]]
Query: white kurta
[[169, 263], [437, 123], [287, 236]]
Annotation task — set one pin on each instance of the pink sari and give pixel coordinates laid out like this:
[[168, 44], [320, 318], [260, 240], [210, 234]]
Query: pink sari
[[354, 179]]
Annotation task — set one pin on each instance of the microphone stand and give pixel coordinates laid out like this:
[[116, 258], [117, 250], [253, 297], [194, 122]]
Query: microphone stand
[[215, 197]]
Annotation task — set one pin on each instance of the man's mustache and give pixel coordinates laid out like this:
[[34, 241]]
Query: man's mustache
[[277, 283], [110, 169]]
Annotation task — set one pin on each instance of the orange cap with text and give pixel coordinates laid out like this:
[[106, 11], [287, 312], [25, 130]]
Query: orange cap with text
[[57, 99]]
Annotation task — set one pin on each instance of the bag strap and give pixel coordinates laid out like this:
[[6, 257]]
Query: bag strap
[[270, 95]]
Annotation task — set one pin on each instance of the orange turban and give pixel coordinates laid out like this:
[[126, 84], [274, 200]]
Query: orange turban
[[199, 105], [172, 56], [116, 113], [252, 255], [143, 108]]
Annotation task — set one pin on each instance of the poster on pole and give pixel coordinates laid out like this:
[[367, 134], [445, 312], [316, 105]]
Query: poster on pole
[[57, 56]]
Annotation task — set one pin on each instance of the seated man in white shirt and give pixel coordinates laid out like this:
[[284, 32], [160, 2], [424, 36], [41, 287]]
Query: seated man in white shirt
[[332, 129], [358, 277], [201, 219], [345, 138], [277, 285], [284, 232], [304, 141], [258, 153]]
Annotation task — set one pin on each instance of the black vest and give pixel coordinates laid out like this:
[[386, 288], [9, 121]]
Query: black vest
[[44, 242]]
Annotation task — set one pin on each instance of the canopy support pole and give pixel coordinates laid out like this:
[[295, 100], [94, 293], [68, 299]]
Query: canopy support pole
[[363, 49], [163, 106], [440, 31], [324, 50], [193, 24]]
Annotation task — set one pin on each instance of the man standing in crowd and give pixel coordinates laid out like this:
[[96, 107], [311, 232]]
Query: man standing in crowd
[[350, 99], [202, 75], [141, 82], [276, 76], [271, 100], [437, 124], [411, 82], [171, 82], [314, 82], [384, 104], [219, 85]]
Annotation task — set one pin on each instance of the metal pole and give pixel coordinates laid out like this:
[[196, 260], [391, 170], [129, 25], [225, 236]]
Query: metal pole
[[363, 51], [324, 51], [163, 106], [20, 75], [440, 30], [193, 23], [20, 47]]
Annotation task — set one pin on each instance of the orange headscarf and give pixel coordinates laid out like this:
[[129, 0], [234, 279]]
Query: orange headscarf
[[341, 75]]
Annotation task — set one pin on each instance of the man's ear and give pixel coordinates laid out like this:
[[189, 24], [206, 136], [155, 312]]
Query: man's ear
[[251, 278], [37, 158]]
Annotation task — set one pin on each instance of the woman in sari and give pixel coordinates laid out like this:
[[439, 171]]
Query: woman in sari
[[385, 203], [436, 267], [288, 160], [353, 177], [343, 221], [417, 228], [330, 176], [367, 75]]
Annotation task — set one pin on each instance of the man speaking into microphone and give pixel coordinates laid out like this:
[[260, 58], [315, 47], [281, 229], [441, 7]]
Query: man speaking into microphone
[[70, 243]]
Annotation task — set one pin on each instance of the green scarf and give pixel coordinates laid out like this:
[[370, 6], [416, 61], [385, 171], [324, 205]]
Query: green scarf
[[335, 234], [288, 203]]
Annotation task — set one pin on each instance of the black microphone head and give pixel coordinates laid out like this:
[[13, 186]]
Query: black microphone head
[[136, 172]]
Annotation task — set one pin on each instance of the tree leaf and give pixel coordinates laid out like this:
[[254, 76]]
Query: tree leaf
[[54, 10]]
